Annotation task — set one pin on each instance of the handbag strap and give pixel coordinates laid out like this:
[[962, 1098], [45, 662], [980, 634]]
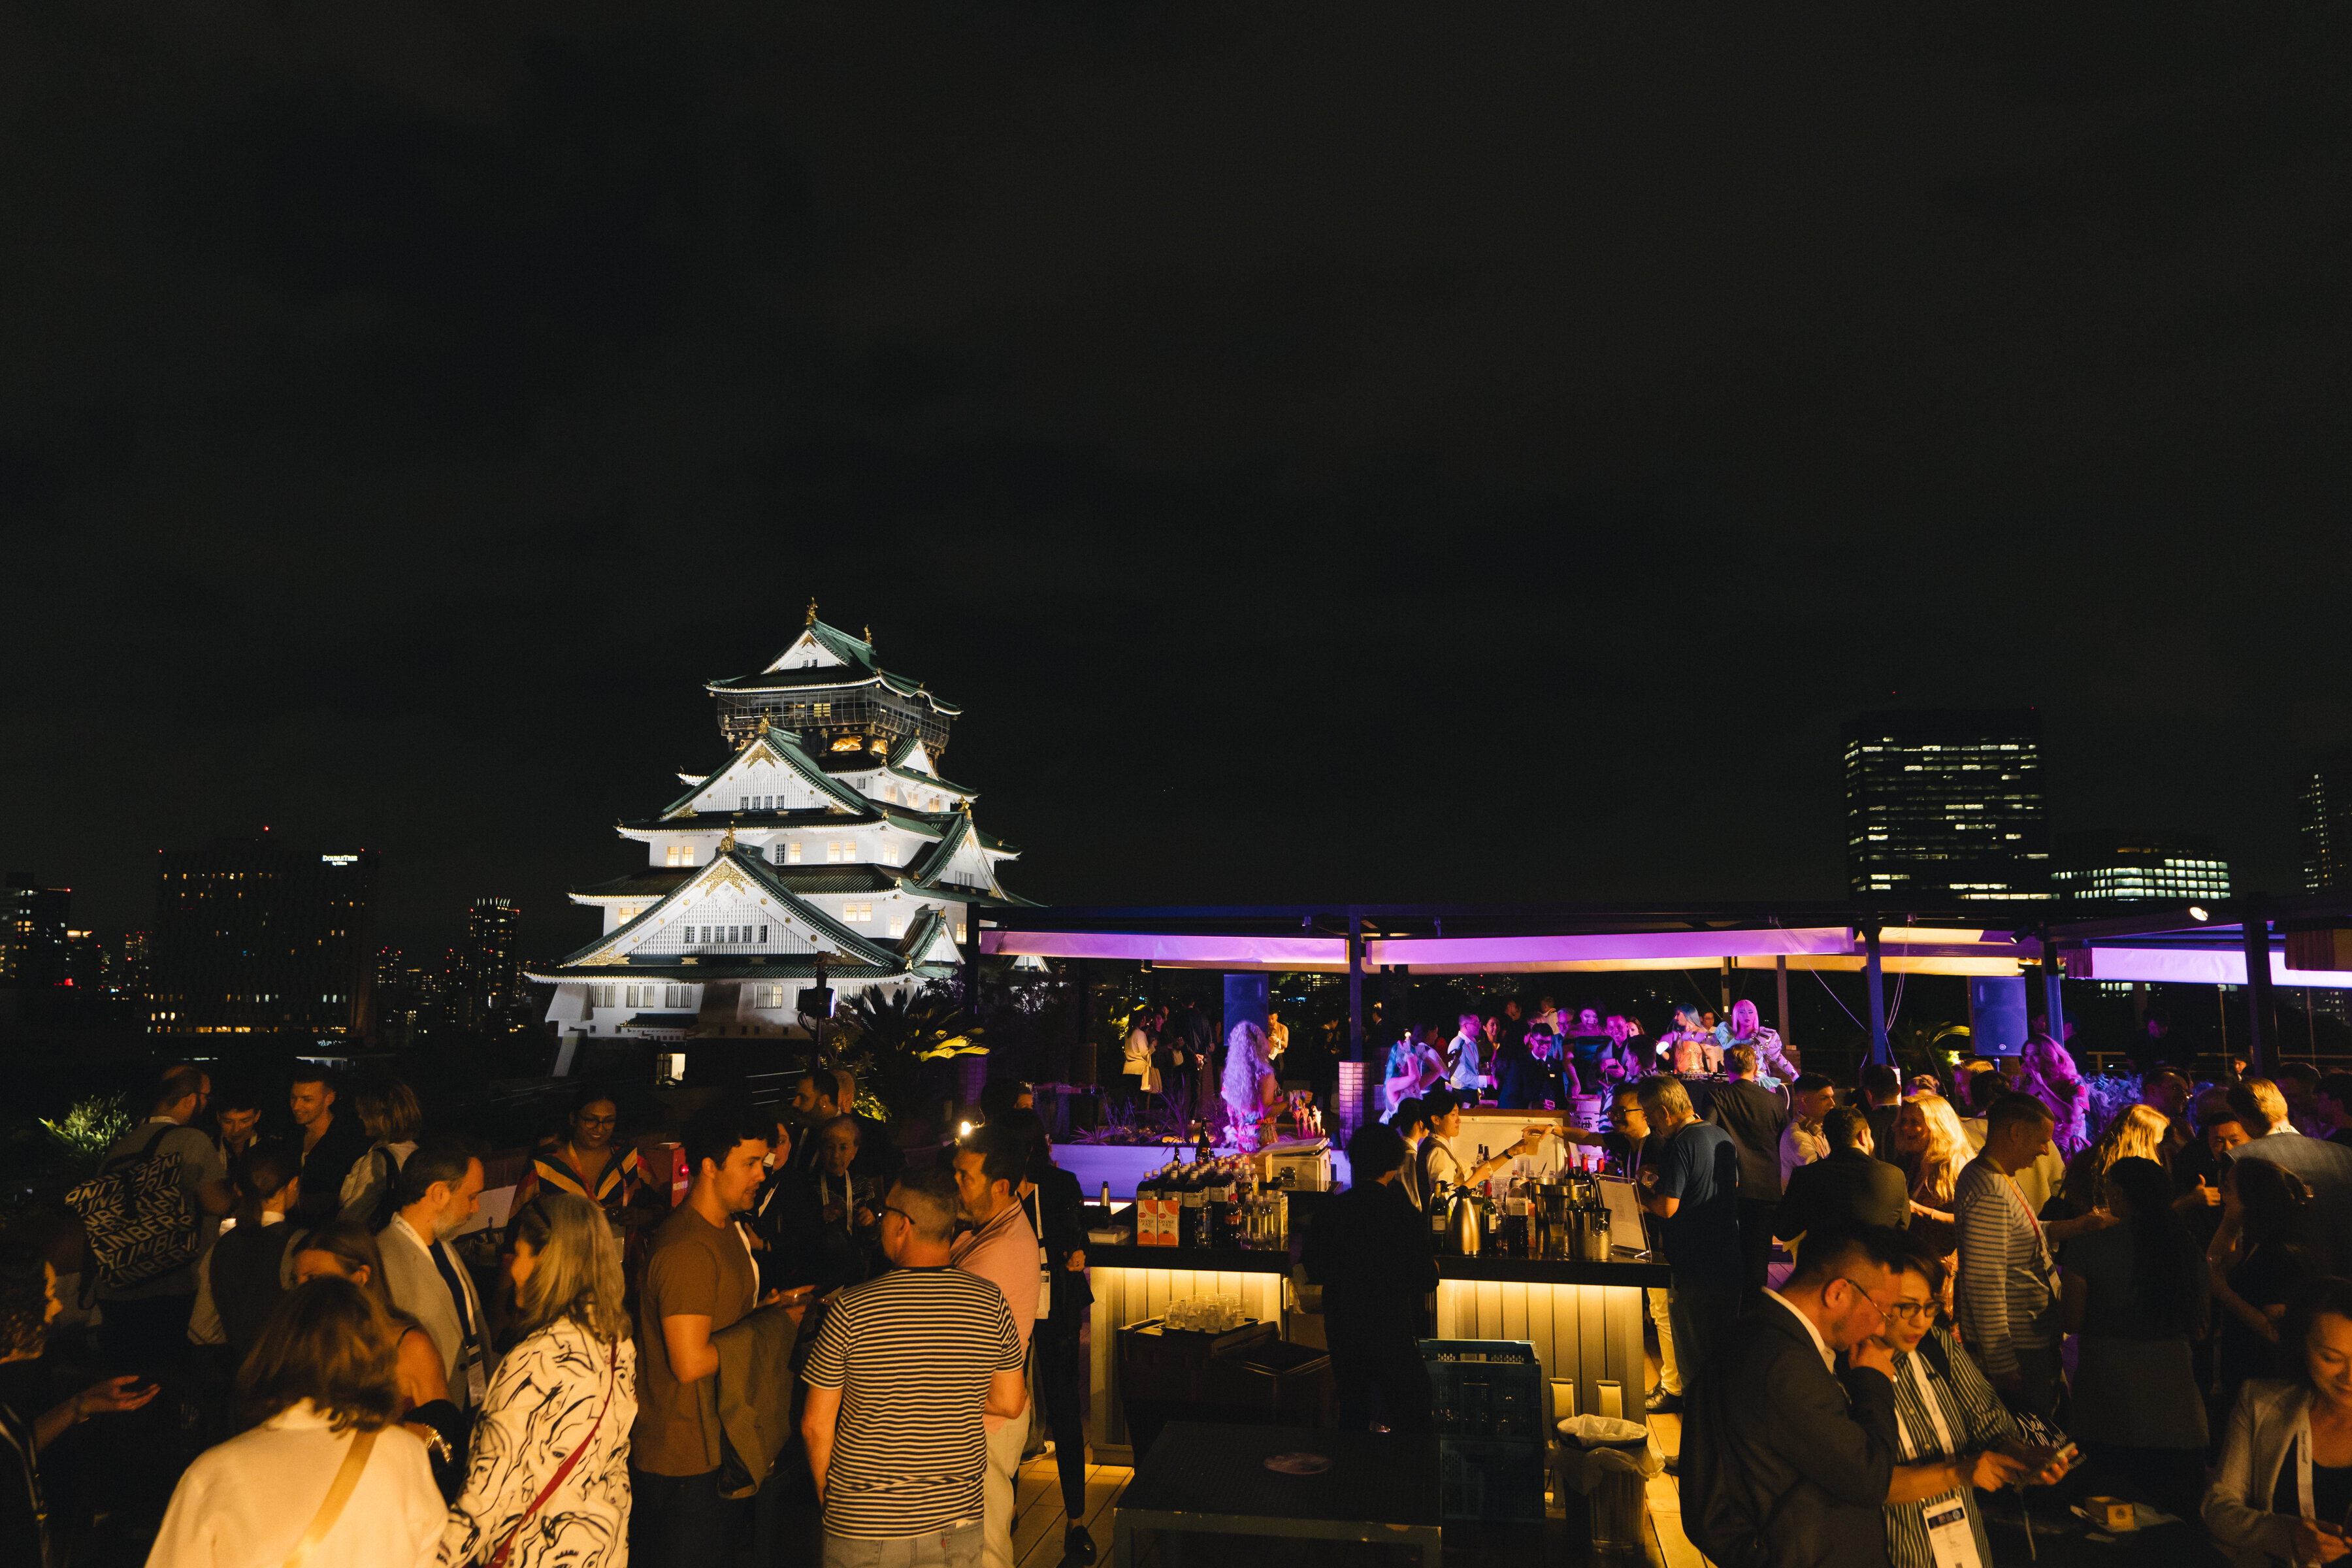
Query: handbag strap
[[612, 1354], [338, 1492]]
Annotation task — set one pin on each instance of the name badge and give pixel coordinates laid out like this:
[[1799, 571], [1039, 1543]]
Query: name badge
[[1953, 1543]]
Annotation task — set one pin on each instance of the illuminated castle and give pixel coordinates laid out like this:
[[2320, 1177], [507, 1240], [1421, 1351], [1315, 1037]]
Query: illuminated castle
[[828, 834]]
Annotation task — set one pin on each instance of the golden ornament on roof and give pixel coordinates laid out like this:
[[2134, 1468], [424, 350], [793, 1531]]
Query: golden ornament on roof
[[812, 618]]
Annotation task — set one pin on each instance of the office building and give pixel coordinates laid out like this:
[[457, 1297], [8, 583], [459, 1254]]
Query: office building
[[489, 966], [33, 942], [2106, 868], [255, 937], [2325, 825], [1945, 806]]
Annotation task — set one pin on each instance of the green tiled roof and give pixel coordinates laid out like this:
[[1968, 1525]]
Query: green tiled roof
[[848, 942], [652, 882], [859, 668], [786, 748]]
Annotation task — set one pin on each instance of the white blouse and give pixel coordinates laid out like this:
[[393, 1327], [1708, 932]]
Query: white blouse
[[541, 1402], [249, 1499]]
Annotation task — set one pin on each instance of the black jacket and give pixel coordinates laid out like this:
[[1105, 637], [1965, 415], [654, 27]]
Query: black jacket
[[1847, 1189], [1370, 1250], [1062, 1230], [343, 1144], [1755, 1117], [1774, 1448]]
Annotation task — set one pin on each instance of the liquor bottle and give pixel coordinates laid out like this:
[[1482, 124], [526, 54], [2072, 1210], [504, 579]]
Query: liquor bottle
[[1514, 1225], [1440, 1206], [1191, 1233], [1216, 1207], [1106, 1202]]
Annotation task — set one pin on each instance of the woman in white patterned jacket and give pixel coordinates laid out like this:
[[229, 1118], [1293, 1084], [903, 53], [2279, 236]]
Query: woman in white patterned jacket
[[560, 1406]]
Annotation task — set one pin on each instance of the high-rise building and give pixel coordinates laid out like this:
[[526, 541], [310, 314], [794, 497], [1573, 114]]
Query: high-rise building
[[1945, 806], [2110, 867], [2325, 824], [254, 937], [489, 966], [825, 842], [33, 942]]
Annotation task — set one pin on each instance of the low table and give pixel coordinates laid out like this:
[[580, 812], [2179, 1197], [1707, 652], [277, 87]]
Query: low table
[[1213, 1479]]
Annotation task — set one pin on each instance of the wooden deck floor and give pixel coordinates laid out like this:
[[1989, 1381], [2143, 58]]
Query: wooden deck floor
[[1039, 1522]]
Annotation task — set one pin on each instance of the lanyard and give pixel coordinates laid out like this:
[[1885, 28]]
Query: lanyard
[[2302, 1463], [1935, 1412]]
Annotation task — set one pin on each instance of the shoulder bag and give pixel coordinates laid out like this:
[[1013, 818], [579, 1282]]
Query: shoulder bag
[[338, 1492], [137, 1214], [613, 1381]]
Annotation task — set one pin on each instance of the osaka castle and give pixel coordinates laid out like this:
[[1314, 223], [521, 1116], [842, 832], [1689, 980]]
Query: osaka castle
[[826, 835]]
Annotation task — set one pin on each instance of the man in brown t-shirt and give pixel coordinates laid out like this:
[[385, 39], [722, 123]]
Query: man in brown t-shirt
[[699, 1279]]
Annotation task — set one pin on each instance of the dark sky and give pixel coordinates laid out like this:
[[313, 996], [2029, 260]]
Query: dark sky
[[1330, 451]]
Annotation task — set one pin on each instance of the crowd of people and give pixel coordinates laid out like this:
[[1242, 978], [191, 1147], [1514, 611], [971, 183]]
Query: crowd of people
[[1889, 1301], [326, 1355]]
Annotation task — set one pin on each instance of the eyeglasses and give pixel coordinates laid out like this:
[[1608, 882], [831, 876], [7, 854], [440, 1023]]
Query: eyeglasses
[[1884, 1312], [902, 1213], [1911, 1311]]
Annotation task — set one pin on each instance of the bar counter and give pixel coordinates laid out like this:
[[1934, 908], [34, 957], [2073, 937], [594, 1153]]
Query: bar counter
[[1584, 1318]]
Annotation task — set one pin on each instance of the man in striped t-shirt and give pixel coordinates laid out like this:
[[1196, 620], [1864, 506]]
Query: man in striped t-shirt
[[902, 1372]]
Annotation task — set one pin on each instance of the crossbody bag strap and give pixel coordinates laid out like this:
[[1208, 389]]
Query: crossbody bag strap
[[499, 1558], [338, 1492]]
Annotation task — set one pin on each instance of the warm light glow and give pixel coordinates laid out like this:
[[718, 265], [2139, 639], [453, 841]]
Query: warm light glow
[[964, 1128], [2196, 912]]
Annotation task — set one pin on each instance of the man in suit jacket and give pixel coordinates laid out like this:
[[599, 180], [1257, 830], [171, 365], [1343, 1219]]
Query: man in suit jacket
[[1850, 1190], [440, 1188], [1758, 1118], [1785, 1459]]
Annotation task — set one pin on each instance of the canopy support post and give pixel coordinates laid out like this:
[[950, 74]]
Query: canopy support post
[[1781, 982], [1353, 1115], [2261, 1003], [1881, 1052]]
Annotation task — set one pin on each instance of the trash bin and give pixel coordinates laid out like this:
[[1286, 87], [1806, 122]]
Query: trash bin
[[1606, 1467]]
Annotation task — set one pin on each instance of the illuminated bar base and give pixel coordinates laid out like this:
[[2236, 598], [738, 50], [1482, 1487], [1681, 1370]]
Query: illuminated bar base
[[1585, 1319]]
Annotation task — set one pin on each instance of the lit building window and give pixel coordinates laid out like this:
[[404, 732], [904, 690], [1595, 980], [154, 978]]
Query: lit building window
[[858, 914], [898, 923], [841, 851]]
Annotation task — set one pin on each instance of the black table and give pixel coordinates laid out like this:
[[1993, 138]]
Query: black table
[[1213, 1479]]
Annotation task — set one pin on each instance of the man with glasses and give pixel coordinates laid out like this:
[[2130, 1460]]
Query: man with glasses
[[903, 1373], [1779, 1445]]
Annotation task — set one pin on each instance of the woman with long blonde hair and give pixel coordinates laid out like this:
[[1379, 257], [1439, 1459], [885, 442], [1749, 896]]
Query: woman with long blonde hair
[[1930, 1147], [560, 1405], [1250, 1089], [2137, 1133]]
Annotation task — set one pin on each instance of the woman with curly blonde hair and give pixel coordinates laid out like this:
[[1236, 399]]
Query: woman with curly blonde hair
[[1930, 1147], [1250, 1089]]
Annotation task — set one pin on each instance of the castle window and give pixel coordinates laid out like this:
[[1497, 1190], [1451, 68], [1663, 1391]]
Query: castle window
[[673, 996], [824, 709], [960, 934], [841, 851], [858, 914], [898, 923], [793, 853], [681, 855]]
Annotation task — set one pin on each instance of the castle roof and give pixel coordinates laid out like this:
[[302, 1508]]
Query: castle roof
[[826, 657], [735, 871]]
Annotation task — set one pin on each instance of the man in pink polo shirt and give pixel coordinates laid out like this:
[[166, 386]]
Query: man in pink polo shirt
[[1002, 1249]]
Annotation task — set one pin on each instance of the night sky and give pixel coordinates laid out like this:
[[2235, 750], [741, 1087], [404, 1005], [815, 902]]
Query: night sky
[[1329, 452]]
